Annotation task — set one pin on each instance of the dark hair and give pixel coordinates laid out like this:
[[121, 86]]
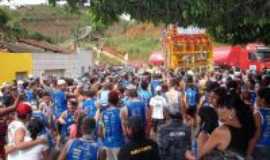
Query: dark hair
[[144, 85], [35, 127], [174, 82], [232, 85], [264, 93], [132, 93], [113, 98], [137, 126], [88, 125], [243, 112], [209, 119], [90, 93], [73, 102], [211, 85], [220, 91], [45, 94]]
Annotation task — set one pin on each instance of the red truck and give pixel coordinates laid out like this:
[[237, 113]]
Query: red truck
[[252, 57]]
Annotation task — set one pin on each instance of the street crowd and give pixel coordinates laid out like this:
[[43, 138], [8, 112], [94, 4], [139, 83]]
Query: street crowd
[[124, 113]]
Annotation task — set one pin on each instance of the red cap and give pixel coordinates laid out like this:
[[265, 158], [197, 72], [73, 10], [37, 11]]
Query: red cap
[[23, 108]]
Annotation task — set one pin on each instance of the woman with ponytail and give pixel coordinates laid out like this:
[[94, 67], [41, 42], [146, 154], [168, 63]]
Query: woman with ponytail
[[236, 131]]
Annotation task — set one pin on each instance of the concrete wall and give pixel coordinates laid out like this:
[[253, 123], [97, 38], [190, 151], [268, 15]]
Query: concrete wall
[[70, 64]]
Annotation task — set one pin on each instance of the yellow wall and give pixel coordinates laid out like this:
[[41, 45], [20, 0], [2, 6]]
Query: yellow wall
[[11, 63]]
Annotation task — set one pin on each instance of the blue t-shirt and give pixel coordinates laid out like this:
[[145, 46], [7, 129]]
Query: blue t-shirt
[[136, 108], [144, 96], [89, 107], [60, 102], [29, 96], [69, 119], [265, 128], [113, 128], [83, 149], [192, 95], [41, 117]]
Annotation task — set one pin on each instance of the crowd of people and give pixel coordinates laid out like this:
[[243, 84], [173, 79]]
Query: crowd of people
[[115, 113]]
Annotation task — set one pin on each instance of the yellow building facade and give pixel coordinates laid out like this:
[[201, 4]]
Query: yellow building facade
[[15, 66]]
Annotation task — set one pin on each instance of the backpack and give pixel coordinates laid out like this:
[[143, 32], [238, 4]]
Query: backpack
[[192, 96]]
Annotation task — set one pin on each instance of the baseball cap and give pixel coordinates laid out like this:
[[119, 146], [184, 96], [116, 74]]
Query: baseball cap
[[61, 82], [190, 72], [158, 88], [23, 109], [20, 82], [131, 87]]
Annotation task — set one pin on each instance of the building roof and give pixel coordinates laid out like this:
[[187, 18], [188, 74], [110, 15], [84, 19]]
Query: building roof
[[33, 46]]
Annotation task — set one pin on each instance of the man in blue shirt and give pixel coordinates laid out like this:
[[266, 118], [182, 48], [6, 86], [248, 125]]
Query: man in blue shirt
[[134, 107], [89, 104], [60, 99], [111, 127], [144, 94], [84, 148], [263, 144]]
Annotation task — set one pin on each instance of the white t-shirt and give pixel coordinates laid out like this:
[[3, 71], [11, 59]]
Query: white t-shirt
[[34, 153], [12, 128], [158, 103]]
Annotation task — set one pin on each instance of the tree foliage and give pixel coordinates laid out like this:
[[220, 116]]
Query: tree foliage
[[230, 21], [3, 18]]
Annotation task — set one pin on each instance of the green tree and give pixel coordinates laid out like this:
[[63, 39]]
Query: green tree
[[3, 18], [52, 2], [230, 21]]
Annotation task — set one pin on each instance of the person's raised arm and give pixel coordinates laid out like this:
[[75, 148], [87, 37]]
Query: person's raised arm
[[61, 119], [5, 111]]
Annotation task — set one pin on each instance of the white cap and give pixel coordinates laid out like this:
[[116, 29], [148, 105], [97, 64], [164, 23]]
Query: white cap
[[190, 72], [61, 82], [158, 88], [131, 87], [30, 76], [20, 82]]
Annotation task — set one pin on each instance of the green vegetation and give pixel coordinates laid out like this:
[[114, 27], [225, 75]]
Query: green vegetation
[[139, 40], [233, 21], [137, 47], [52, 24], [108, 61]]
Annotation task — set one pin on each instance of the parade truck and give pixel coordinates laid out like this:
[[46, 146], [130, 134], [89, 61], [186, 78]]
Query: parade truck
[[255, 57], [188, 50]]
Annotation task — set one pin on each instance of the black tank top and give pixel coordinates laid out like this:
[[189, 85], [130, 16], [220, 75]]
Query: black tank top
[[239, 140]]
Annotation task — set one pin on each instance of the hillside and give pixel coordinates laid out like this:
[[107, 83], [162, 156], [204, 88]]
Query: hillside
[[58, 26], [139, 40]]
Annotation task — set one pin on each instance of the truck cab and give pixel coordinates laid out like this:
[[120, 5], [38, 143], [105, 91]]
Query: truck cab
[[254, 57], [259, 58]]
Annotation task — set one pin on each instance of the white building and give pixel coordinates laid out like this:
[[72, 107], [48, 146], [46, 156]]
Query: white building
[[62, 65], [50, 60]]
